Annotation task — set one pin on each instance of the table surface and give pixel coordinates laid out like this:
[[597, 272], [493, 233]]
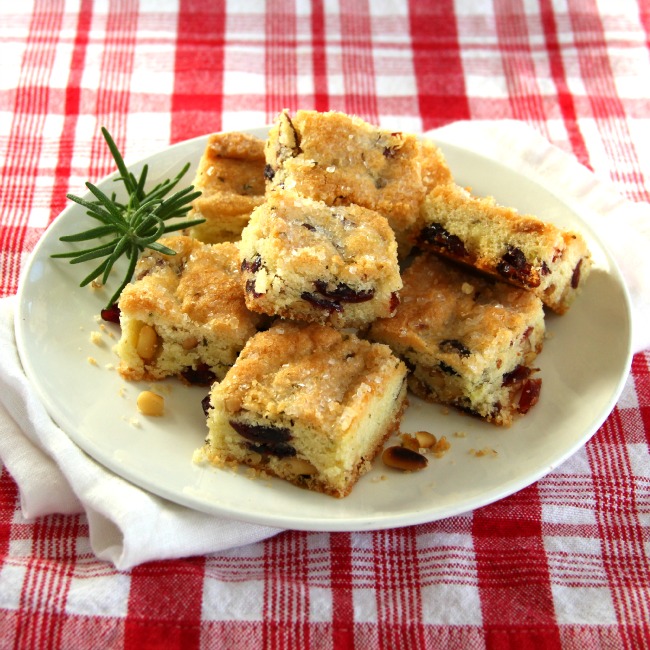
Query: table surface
[[563, 563]]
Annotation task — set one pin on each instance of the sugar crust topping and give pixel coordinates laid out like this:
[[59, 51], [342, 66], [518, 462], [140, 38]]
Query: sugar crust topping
[[311, 372]]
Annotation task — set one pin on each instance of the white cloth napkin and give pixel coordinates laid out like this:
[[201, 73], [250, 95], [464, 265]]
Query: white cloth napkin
[[129, 526], [621, 225]]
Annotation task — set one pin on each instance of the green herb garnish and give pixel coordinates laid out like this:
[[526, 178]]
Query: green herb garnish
[[129, 227]]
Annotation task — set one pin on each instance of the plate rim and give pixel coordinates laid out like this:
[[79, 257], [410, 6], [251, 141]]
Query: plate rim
[[315, 523]]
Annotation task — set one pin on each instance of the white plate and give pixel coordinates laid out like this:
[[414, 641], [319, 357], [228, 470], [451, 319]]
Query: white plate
[[584, 365]]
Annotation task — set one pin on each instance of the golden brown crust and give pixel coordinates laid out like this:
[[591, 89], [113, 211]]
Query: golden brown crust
[[235, 146], [231, 178], [298, 255], [195, 294], [342, 160], [307, 403], [310, 372], [462, 333], [443, 301], [201, 282], [520, 249], [315, 483]]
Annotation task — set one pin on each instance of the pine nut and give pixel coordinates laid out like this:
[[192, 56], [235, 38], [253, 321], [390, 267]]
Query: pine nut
[[190, 343], [404, 459], [150, 403], [300, 467], [232, 403], [410, 442], [425, 439], [147, 344]]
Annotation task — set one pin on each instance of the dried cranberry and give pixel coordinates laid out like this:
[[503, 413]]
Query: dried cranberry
[[265, 439], [261, 433], [250, 288], [453, 345], [394, 301], [529, 394], [206, 405], [545, 269], [343, 292], [470, 411], [435, 235], [111, 314], [199, 376], [279, 449], [252, 266], [322, 302], [389, 152], [410, 365], [447, 369], [515, 257], [517, 375], [513, 265], [575, 277]]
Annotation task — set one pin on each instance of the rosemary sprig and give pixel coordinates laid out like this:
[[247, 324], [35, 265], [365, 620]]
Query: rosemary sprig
[[128, 228]]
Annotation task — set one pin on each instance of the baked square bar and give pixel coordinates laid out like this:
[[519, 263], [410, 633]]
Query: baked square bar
[[518, 249], [468, 341], [304, 260], [184, 315], [230, 177], [342, 160], [307, 403]]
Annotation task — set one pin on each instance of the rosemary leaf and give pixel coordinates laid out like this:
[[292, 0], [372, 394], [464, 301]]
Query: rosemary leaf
[[127, 277], [179, 226], [130, 225], [95, 253], [94, 274], [161, 248], [94, 233]]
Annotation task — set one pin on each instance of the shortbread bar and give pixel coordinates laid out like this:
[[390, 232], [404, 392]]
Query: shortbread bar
[[342, 160], [307, 403], [231, 178], [468, 341], [304, 260], [518, 249], [184, 315]]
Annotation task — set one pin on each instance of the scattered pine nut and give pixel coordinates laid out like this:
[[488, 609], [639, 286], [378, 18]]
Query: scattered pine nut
[[150, 403], [404, 459], [425, 439]]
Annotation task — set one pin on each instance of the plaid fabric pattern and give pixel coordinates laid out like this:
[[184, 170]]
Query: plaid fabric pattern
[[563, 563]]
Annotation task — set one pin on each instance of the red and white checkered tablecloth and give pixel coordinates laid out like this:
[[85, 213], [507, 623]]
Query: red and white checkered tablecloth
[[562, 563]]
